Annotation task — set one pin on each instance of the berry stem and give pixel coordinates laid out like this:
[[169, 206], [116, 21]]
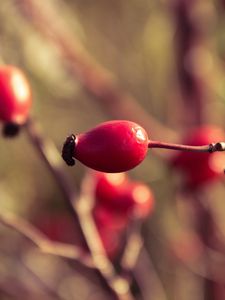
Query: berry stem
[[213, 147]]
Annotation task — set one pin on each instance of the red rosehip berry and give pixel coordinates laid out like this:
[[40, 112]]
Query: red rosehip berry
[[58, 227], [200, 168], [122, 197], [117, 200], [111, 226], [108, 187], [139, 199], [110, 219], [15, 96], [114, 146], [111, 240]]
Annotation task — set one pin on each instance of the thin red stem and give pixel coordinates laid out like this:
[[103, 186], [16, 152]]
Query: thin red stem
[[220, 146]]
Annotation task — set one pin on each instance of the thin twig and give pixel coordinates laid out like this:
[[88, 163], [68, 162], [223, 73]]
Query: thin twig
[[50, 154], [151, 285], [213, 147], [79, 205], [45, 245], [205, 260], [96, 79], [133, 247], [84, 208], [46, 287]]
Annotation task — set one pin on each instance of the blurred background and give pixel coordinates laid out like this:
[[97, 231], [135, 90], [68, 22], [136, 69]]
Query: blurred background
[[158, 63]]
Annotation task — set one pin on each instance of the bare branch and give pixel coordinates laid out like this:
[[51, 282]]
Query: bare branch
[[42, 242]]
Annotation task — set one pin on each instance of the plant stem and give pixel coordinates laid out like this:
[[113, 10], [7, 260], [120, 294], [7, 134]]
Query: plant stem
[[97, 80], [42, 242], [118, 285], [220, 146]]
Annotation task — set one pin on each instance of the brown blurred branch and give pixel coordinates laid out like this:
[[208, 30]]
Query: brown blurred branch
[[133, 246], [81, 209], [193, 24], [97, 80], [193, 21], [45, 245], [151, 285], [46, 287], [137, 262], [193, 251]]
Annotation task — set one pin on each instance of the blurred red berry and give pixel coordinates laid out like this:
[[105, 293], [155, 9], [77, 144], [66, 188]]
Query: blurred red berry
[[139, 198], [125, 197], [111, 240], [111, 227], [201, 168], [108, 187], [15, 95], [58, 227], [114, 146], [117, 201], [110, 219]]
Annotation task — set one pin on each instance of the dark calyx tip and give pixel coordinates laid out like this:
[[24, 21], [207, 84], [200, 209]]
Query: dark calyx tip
[[68, 150], [10, 129]]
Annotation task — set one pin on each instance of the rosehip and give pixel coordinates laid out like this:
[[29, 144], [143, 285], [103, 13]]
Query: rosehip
[[108, 186], [117, 199], [111, 240], [200, 168], [114, 146], [58, 227], [111, 219], [15, 96], [140, 199], [111, 226], [118, 195]]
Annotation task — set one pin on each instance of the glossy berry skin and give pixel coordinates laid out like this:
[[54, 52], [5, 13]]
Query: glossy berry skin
[[114, 146], [122, 197], [201, 168], [15, 95]]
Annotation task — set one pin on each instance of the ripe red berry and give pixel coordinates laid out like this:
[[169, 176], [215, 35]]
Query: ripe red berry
[[122, 197], [108, 187], [114, 146], [58, 227], [111, 226], [15, 95], [200, 168], [140, 200], [111, 219], [117, 200]]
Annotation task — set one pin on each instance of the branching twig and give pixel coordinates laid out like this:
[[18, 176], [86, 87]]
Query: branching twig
[[96, 79], [84, 208], [47, 288], [81, 209], [42, 242], [151, 285]]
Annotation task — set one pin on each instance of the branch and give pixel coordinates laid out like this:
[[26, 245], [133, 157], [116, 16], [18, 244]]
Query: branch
[[42, 242], [133, 247], [80, 206], [82, 66], [213, 147]]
